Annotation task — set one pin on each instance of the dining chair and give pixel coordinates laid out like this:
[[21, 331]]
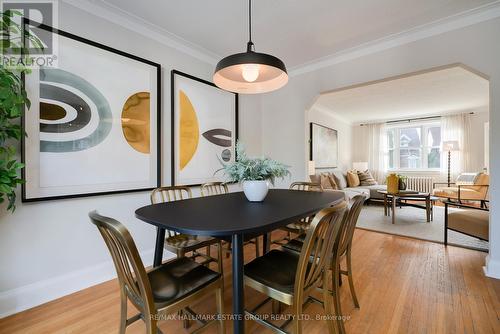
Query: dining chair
[[290, 278], [180, 243], [164, 290], [348, 227], [220, 188], [214, 188], [300, 226]]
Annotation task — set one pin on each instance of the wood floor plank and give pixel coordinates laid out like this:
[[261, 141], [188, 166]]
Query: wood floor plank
[[403, 285]]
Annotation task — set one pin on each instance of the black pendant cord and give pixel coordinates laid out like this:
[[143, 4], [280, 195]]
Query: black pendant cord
[[250, 45]]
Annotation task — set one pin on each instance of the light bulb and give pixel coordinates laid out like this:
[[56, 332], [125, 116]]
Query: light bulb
[[250, 72]]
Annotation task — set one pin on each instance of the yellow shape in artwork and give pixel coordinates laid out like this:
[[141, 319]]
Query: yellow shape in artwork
[[189, 133], [136, 123]]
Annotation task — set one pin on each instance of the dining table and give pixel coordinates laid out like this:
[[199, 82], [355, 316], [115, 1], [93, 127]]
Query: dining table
[[233, 218]]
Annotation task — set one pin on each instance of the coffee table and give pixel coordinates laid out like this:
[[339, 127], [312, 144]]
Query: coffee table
[[390, 201]]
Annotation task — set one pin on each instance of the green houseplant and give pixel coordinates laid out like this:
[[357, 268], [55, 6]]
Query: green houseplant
[[254, 173], [13, 99]]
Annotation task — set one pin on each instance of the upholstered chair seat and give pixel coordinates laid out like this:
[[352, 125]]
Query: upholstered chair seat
[[470, 221], [265, 270], [177, 279]]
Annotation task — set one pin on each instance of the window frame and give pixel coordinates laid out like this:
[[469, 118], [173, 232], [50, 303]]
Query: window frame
[[425, 148]]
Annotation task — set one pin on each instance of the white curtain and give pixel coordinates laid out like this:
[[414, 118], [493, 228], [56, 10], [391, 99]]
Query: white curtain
[[377, 151], [456, 127]]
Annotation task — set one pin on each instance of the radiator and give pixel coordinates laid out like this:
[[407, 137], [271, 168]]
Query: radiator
[[420, 183]]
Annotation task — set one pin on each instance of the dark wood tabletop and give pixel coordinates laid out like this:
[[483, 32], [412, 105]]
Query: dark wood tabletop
[[228, 214]]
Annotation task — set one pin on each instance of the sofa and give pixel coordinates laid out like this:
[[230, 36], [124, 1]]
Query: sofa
[[336, 180]]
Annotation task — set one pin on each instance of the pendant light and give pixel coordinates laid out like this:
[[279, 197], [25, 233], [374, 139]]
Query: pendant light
[[250, 72]]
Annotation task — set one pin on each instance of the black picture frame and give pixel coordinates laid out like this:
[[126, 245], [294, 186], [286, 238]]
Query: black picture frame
[[155, 65], [173, 73], [311, 143]]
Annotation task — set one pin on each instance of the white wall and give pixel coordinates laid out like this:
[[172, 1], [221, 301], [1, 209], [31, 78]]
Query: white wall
[[477, 141], [474, 46], [49, 249], [344, 133]]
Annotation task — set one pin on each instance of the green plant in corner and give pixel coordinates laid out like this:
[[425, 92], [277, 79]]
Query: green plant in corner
[[13, 99], [253, 169]]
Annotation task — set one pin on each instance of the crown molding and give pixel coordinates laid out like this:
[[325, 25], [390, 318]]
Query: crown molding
[[457, 21], [138, 25], [109, 12]]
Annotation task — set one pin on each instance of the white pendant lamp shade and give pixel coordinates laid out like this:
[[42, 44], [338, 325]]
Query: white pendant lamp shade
[[250, 72], [250, 77]]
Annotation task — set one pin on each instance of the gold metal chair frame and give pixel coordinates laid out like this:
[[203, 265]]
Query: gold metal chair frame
[[302, 225], [177, 241], [322, 238], [213, 188], [220, 188], [345, 247], [135, 285], [348, 226]]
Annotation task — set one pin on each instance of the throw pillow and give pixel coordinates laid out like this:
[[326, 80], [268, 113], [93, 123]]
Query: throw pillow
[[325, 181], [366, 178], [315, 178], [331, 178], [352, 179], [340, 179]]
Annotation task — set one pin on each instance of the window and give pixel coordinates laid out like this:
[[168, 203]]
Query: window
[[414, 147]]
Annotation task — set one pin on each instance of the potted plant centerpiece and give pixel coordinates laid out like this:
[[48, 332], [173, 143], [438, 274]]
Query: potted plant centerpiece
[[254, 174]]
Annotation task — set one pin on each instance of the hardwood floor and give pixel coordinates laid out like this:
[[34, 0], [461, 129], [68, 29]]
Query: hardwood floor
[[403, 285]]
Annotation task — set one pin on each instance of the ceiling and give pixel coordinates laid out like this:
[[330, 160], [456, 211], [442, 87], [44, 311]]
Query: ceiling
[[428, 94], [297, 31]]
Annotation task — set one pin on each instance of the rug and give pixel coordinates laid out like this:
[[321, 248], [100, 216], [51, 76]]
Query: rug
[[411, 222]]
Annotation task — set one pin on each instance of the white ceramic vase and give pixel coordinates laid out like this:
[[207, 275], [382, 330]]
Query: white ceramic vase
[[255, 191]]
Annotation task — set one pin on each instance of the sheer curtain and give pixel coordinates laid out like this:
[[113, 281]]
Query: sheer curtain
[[456, 127], [377, 151]]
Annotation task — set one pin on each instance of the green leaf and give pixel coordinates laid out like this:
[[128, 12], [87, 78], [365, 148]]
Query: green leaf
[[5, 189]]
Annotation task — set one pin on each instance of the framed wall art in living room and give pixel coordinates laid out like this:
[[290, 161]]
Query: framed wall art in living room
[[94, 123], [323, 146], [204, 129]]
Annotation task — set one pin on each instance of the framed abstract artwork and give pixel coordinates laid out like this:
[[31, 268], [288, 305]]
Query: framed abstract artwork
[[204, 129], [94, 123], [324, 146]]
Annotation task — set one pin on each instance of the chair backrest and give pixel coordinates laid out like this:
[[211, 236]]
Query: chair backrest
[[306, 186], [132, 276], [214, 188], [170, 194], [349, 222], [321, 236], [481, 183]]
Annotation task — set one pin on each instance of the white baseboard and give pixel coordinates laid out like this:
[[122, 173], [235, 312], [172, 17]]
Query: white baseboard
[[492, 268], [28, 296]]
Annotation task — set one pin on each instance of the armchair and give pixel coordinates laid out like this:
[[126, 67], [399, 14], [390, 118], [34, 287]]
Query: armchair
[[464, 192], [469, 220]]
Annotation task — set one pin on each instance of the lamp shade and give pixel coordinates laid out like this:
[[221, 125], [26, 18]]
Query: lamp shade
[[311, 167], [361, 166], [451, 145], [250, 73]]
